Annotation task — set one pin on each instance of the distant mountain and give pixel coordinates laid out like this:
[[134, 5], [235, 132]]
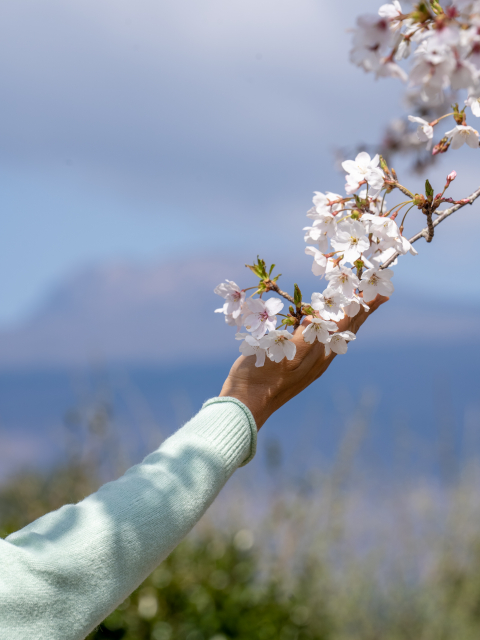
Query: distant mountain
[[163, 313], [124, 312]]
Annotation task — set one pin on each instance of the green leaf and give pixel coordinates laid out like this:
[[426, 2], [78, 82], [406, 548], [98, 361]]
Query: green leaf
[[259, 269], [271, 269], [297, 296], [428, 189]]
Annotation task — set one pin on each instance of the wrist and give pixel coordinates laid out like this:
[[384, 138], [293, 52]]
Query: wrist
[[254, 401]]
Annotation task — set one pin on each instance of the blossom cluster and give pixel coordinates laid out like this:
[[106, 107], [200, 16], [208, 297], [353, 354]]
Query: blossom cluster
[[263, 339], [350, 237], [354, 237], [444, 44]]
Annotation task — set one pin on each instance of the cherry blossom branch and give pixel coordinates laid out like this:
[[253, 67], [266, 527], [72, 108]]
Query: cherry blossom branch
[[442, 215]]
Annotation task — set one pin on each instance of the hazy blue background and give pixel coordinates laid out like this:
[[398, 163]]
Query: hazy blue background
[[147, 151]]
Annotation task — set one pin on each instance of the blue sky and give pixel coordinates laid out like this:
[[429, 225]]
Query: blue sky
[[149, 131]]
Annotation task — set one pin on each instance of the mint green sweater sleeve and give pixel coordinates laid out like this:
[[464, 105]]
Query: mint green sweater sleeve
[[63, 574]]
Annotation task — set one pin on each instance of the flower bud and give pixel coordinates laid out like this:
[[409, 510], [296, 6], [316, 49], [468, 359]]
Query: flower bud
[[441, 147], [419, 200], [421, 13], [451, 177], [384, 165], [436, 7], [308, 310], [458, 116]]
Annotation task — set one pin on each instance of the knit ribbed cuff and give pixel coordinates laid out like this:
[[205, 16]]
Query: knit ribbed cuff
[[228, 425], [252, 427]]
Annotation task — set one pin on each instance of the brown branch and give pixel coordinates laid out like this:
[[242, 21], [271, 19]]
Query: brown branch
[[430, 227], [442, 215], [272, 286]]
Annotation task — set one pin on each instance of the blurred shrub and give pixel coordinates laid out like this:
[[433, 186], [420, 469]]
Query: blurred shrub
[[210, 588]]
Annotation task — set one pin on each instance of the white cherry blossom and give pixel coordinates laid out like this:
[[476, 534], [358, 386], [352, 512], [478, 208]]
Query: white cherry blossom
[[318, 329], [318, 236], [353, 307], [403, 246], [432, 70], [463, 133], [321, 264], [338, 342], [325, 222], [404, 49], [380, 252], [389, 69], [371, 39], [230, 320], [329, 304], [251, 347], [278, 344], [376, 281], [351, 243], [424, 129], [380, 226], [261, 316], [323, 203], [344, 280], [464, 75], [474, 103], [391, 11], [234, 298], [363, 168]]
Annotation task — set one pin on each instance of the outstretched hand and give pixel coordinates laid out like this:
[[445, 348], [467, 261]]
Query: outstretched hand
[[265, 389]]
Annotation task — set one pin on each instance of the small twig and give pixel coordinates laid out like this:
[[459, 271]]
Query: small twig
[[395, 184], [442, 215]]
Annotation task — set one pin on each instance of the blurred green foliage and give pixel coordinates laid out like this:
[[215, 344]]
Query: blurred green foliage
[[211, 586]]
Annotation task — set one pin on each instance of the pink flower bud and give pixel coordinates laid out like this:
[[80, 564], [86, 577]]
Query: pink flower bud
[[451, 177]]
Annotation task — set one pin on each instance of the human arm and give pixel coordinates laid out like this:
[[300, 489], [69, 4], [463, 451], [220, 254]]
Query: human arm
[[63, 574]]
